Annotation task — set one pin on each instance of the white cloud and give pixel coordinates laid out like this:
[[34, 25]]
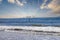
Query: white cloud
[[0, 1], [19, 3], [43, 4]]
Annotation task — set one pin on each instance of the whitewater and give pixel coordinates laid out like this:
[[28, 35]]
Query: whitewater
[[29, 33]]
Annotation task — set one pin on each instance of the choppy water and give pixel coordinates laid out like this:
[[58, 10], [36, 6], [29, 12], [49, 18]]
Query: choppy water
[[4, 35]]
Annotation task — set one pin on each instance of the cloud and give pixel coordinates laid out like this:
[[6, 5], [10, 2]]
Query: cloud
[[55, 6], [18, 2], [0, 1], [43, 4], [11, 1]]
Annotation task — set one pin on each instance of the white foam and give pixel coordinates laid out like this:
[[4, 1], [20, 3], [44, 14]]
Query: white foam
[[50, 28]]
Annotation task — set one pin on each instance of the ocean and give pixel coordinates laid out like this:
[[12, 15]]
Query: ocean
[[26, 35], [54, 21], [9, 35]]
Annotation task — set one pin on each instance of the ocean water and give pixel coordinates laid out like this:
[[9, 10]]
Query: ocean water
[[55, 21], [22, 35], [6, 35]]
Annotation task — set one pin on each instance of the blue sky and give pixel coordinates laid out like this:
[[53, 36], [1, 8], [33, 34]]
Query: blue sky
[[29, 8]]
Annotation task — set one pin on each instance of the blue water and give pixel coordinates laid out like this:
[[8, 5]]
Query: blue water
[[55, 21]]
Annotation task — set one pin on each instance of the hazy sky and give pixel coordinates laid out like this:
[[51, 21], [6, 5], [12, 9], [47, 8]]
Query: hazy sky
[[33, 8]]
